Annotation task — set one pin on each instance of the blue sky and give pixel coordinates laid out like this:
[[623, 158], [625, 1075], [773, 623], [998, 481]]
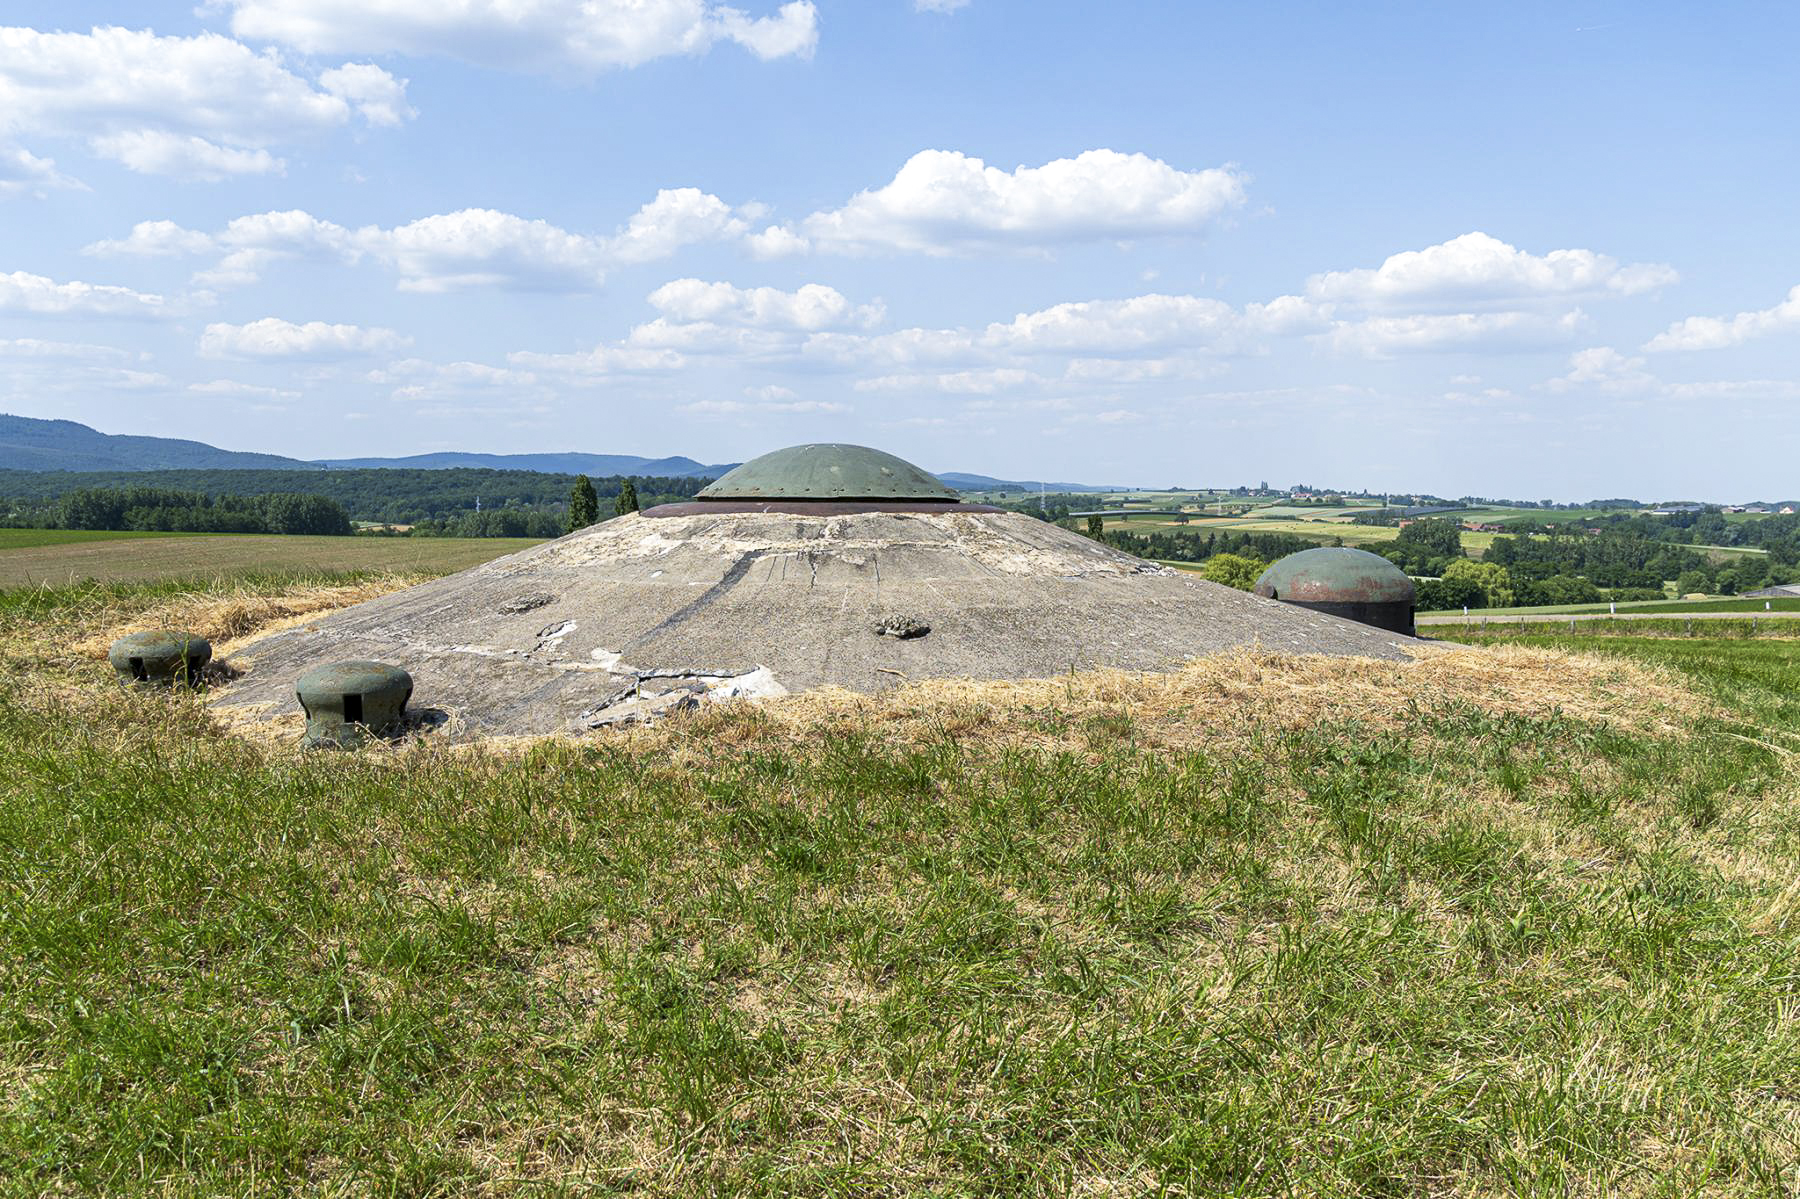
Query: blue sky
[[1526, 249]]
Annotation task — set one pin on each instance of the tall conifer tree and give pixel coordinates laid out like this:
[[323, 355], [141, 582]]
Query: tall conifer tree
[[584, 504]]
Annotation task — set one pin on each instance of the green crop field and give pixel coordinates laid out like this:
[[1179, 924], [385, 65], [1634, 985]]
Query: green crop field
[[1669, 607], [115, 557], [1321, 530], [21, 539], [1503, 921], [1304, 512]]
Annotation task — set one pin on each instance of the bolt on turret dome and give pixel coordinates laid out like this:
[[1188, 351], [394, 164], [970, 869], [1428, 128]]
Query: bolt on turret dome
[[829, 471]]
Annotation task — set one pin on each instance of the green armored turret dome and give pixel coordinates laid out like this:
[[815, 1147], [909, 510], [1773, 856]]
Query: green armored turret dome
[[1336, 574], [829, 472], [1341, 581]]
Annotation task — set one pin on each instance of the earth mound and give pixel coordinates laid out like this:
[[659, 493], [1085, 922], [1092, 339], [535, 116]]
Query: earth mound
[[651, 613]]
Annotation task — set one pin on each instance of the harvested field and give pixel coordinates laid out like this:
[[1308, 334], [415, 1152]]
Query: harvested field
[[112, 559]]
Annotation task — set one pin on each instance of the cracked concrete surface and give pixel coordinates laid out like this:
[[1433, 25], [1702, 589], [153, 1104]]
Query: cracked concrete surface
[[641, 615]]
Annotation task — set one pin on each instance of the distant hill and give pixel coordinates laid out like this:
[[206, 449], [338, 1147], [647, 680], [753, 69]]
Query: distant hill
[[968, 482], [43, 445], [555, 464]]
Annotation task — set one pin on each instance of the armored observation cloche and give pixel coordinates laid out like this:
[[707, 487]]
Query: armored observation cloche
[[829, 472], [1341, 581], [347, 703], [160, 659]]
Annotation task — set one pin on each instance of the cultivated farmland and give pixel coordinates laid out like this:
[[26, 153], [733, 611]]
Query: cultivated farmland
[[33, 557]]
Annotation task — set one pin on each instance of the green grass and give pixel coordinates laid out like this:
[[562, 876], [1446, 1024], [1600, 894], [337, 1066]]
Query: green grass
[[129, 558], [1631, 628], [1470, 953], [1322, 530], [1755, 680], [1671, 607], [19, 539], [1718, 605]]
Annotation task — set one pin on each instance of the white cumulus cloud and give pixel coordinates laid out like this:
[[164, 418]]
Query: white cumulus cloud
[[1720, 332], [272, 337], [159, 152], [677, 217], [202, 107], [231, 387], [808, 308], [944, 202], [1477, 270], [471, 247], [1605, 369], [1150, 322], [482, 247], [61, 351], [375, 94], [759, 407], [600, 363], [1383, 336], [40, 296], [971, 382], [22, 171], [570, 36]]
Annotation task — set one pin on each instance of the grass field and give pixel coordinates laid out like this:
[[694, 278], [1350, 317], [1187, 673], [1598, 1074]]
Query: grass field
[[1305, 512], [1322, 530], [1503, 921], [115, 557], [1672, 607], [22, 539], [1724, 628]]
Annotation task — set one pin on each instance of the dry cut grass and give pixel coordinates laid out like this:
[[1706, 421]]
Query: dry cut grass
[[1224, 697], [229, 615], [1229, 696]]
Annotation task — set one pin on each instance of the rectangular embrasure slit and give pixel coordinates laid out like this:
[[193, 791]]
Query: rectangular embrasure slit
[[353, 709]]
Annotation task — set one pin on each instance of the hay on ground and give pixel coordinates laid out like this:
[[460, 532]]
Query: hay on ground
[[230, 617], [1224, 696]]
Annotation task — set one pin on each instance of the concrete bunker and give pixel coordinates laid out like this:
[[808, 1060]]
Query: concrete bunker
[[817, 565]]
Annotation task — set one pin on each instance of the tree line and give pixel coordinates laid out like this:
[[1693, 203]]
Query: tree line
[[154, 509], [426, 503], [378, 496], [1563, 566]]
